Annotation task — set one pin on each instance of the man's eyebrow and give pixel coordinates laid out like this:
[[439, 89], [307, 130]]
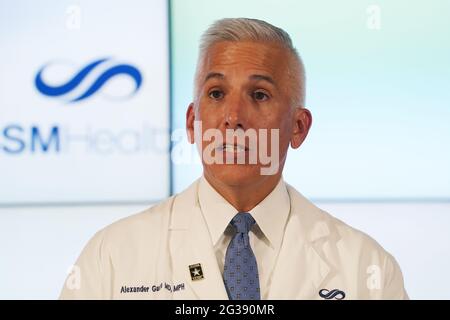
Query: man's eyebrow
[[255, 77], [258, 77], [214, 75]]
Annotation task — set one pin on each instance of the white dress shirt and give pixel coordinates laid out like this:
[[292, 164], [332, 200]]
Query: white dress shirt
[[266, 236]]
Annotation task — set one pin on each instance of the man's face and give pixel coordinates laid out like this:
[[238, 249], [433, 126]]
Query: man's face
[[242, 86]]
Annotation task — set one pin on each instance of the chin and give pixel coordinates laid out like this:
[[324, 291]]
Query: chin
[[234, 174]]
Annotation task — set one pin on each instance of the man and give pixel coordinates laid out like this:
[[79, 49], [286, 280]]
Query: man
[[239, 232]]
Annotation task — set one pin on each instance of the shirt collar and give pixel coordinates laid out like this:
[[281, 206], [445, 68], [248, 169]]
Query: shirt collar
[[270, 214]]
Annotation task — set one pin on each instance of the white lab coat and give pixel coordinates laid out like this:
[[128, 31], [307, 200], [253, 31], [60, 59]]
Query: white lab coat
[[147, 256]]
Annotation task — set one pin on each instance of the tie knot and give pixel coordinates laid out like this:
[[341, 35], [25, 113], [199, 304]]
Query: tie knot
[[243, 222]]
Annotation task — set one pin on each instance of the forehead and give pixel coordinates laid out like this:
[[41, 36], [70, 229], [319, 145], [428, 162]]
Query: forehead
[[246, 56]]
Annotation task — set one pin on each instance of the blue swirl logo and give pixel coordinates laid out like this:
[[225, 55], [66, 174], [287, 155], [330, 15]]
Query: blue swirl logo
[[76, 80], [332, 294]]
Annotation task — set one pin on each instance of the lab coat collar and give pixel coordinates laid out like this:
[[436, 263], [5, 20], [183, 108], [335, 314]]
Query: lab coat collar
[[315, 224]]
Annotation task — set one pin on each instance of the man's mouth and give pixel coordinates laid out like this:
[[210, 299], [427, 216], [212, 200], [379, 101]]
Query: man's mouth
[[233, 148]]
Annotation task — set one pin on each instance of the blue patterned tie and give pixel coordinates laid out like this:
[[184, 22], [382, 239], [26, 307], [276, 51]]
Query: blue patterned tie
[[240, 272]]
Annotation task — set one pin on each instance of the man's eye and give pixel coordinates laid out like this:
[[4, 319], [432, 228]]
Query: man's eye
[[216, 94], [260, 96]]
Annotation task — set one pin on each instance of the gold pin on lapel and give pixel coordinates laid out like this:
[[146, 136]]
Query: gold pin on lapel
[[196, 271]]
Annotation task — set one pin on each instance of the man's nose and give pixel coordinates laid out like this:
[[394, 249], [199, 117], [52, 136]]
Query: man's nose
[[236, 113]]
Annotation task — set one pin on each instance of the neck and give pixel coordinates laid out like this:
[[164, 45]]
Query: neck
[[244, 197]]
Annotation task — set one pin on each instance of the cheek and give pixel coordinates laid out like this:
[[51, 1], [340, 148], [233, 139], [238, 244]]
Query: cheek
[[281, 120], [208, 113], [281, 142], [285, 132], [284, 137]]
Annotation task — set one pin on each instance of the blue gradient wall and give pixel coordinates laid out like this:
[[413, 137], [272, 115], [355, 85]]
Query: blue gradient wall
[[378, 74]]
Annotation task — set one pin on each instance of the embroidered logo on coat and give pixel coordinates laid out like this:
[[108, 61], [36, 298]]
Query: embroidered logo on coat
[[332, 294]]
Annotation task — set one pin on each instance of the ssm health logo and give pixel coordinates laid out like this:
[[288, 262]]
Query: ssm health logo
[[99, 72]]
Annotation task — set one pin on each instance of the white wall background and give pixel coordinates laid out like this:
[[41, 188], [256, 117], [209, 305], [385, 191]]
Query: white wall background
[[39, 244]]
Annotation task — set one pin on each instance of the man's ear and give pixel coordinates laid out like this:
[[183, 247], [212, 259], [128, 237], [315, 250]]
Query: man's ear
[[190, 118], [302, 123]]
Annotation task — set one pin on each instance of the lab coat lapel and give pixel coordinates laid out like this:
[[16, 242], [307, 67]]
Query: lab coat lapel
[[199, 250], [301, 268], [304, 264], [195, 247], [322, 267]]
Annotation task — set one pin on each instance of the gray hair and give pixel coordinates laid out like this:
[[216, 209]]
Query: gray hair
[[245, 29]]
